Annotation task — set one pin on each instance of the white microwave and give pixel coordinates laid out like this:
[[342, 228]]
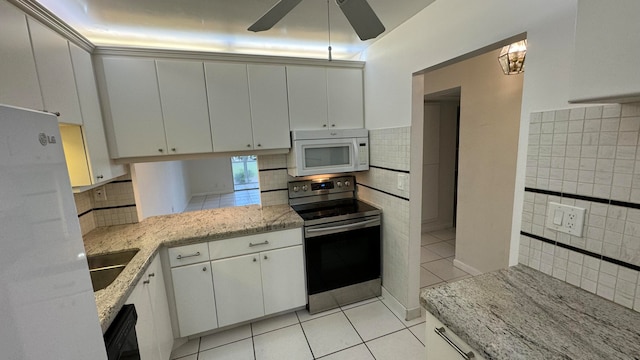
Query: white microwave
[[316, 152]]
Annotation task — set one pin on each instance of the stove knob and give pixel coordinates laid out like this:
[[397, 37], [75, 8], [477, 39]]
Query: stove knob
[[347, 183], [339, 184], [305, 187], [296, 189]]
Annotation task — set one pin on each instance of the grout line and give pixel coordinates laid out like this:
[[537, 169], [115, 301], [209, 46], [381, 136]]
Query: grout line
[[253, 343], [305, 336]]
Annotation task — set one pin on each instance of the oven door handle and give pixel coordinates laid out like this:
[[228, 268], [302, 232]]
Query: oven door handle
[[346, 227]]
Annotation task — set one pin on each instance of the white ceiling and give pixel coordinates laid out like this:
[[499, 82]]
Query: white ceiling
[[221, 25]]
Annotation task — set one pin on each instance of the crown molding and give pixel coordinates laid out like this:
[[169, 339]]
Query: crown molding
[[42, 14]]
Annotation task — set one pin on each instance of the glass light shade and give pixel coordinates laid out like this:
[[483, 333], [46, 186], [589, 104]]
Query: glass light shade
[[512, 56]]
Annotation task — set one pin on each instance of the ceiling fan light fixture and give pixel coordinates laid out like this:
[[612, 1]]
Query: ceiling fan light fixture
[[512, 57]]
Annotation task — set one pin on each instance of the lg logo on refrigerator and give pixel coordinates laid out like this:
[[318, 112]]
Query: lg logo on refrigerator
[[46, 139]]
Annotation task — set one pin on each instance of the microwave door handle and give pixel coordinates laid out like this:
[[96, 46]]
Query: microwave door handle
[[343, 227], [356, 154]]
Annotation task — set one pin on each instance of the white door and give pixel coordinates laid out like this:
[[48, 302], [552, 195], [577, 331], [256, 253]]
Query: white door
[[134, 103], [55, 73], [238, 289], [19, 85], [195, 301], [228, 93], [184, 106], [344, 91], [269, 108], [307, 89], [283, 279]]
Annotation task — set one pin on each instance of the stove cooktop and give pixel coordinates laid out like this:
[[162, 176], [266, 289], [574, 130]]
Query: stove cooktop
[[335, 209]]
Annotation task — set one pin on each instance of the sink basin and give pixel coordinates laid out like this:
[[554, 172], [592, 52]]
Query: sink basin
[[105, 268]]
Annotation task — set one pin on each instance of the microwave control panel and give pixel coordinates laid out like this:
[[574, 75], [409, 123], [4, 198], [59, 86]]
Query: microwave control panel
[[363, 153]]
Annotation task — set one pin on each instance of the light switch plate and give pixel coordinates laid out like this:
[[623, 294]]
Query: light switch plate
[[100, 194], [565, 218]]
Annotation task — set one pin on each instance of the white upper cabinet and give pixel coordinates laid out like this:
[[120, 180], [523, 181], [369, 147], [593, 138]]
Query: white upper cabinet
[[325, 98], [228, 91], [307, 89], [100, 167], [345, 98], [184, 106], [18, 77], [269, 109], [607, 48], [55, 73], [133, 106]]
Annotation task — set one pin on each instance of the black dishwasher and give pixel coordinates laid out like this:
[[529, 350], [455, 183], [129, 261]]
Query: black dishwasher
[[120, 339]]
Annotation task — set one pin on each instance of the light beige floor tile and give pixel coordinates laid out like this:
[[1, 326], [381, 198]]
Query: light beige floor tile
[[421, 319], [399, 345], [191, 347], [427, 239], [451, 242], [304, 315], [444, 269], [442, 248], [427, 278], [419, 331], [225, 337], [188, 357], [427, 255], [330, 333], [445, 234], [373, 320], [459, 278], [286, 343], [240, 350], [359, 352], [274, 323], [359, 303]]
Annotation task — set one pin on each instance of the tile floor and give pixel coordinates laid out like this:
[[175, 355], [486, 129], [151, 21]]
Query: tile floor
[[236, 198], [436, 258], [367, 330]]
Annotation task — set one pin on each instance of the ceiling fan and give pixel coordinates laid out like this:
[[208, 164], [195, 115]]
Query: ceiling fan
[[360, 15]]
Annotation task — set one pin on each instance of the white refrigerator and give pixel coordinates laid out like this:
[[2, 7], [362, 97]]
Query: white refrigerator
[[47, 307]]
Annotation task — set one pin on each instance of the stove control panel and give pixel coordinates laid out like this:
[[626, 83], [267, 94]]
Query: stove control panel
[[321, 186]]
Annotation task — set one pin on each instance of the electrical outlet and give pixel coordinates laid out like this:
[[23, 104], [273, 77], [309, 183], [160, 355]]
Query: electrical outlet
[[402, 181], [100, 194], [565, 218]]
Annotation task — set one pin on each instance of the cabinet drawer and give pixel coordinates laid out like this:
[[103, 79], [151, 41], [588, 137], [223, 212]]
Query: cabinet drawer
[[437, 347], [254, 243], [189, 254]]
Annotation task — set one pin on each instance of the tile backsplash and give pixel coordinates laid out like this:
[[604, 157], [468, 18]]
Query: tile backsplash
[[119, 208], [590, 158]]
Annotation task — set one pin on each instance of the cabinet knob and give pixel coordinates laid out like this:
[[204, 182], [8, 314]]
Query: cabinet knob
[[152, 275], [265, 257], [146, 282], [333, 125], [204, 268], [248, 145], [99, 177], [259, 145], [254, 260], [160, 150], [173, 149], [324, 125]]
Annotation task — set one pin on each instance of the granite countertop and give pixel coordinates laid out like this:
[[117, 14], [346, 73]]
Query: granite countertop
[[521, 313], [175, 230]]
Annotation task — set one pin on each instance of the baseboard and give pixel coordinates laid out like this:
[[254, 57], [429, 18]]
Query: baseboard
[[397, 308], [433, 226], [469, 269]]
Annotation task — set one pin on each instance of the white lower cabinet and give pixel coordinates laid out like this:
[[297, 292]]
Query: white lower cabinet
[[438, 348], [195, 301], [283, 279], [153, 328]]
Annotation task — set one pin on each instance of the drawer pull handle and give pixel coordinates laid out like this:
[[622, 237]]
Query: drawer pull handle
[[266, 242], [180, 256], [441, 332], [151, 275], [146, 282]]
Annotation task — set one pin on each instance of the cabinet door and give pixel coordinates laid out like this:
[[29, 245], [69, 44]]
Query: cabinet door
[[101, 168], [145, 331], [134, 105], [283, 279], [18, 77], [238, 289], [228, 93], [160, 307], [269, 109], [307, 90], [184, 106], [346, 108], [195, 301], [55, 73]]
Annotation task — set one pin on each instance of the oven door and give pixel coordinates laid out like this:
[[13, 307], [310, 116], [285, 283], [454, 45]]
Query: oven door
[[342, 253]]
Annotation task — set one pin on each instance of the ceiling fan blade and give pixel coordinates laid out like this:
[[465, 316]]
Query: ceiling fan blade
[[275, 14], [362, 18]]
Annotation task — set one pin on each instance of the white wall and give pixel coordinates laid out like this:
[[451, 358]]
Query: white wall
[[160, 188], [209, 176]]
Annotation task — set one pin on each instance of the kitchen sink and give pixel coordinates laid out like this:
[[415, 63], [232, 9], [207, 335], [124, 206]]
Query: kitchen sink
[[105, 268]]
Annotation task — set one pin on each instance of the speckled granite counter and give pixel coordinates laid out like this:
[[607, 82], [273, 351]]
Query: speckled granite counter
[[521, 313], [175, 230]]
